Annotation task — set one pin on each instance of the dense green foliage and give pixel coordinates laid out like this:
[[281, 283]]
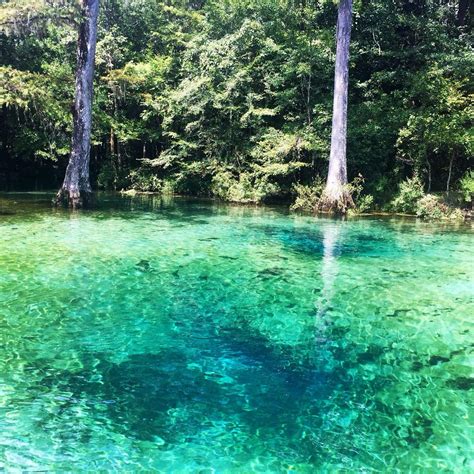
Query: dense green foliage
[[232, 98]]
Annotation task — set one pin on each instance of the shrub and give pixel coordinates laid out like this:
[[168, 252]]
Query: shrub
[[431, 207], [111, 178], [221, 184], [141, 180], [456, 214], [308, 196], [411, 190], [362, 203], [244, 189], [106, 177], [466, 186]]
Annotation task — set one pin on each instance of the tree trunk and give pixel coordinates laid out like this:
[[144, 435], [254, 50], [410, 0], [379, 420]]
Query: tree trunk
[[450, 169], [308, 98], [429, 175], [463, 8], [336, 197], [112, 143], [76, 188]]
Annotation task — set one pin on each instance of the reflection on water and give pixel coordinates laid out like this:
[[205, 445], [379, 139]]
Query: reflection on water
[[184, 336], [331, 236]]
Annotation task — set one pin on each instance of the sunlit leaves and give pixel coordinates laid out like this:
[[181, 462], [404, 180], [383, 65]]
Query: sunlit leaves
[[242, 89]]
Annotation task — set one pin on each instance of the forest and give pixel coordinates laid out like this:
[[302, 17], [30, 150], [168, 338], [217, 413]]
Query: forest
[[232, 99]]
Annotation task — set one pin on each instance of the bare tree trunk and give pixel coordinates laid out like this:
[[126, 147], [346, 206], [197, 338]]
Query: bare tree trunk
[[308, 98], [336, 197], [429, 174], [448, 182], [76, 188], [463, 9], [111, 143]]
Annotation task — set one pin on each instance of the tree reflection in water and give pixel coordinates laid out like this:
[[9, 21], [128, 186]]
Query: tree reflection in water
[[329, 270]]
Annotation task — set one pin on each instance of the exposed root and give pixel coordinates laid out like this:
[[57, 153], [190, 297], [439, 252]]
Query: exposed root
[[335, 200], [73, 199]]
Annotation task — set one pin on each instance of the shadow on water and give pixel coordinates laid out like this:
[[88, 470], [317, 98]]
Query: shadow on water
[[232, 375], [235, 380], [309, 240]]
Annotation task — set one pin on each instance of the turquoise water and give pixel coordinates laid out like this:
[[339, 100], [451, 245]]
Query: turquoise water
[[187, 336]]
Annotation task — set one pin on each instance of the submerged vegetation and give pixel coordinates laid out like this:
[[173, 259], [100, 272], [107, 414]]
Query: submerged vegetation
[[179, 335], [233, 98]]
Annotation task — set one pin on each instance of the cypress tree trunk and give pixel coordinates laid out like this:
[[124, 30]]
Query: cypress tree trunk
[[336, 197], [76, 189]]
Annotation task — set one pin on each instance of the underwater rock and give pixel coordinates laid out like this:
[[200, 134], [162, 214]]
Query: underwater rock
[[436, 360], [143, 265], [461, 383], [271, 272], [397, 313]]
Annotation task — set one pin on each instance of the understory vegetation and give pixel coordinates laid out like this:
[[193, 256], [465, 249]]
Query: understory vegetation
[[232, 99]]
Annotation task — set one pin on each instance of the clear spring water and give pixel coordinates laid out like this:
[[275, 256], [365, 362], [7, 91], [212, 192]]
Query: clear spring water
[[186, 336]]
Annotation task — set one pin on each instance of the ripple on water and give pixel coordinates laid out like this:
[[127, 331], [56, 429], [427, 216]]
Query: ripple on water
[[184, 336]]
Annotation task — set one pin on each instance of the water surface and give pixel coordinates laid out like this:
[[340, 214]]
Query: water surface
[[189, 336]]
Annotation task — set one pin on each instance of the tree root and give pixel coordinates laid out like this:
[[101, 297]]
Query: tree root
[[74, 199], [335, 201]]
